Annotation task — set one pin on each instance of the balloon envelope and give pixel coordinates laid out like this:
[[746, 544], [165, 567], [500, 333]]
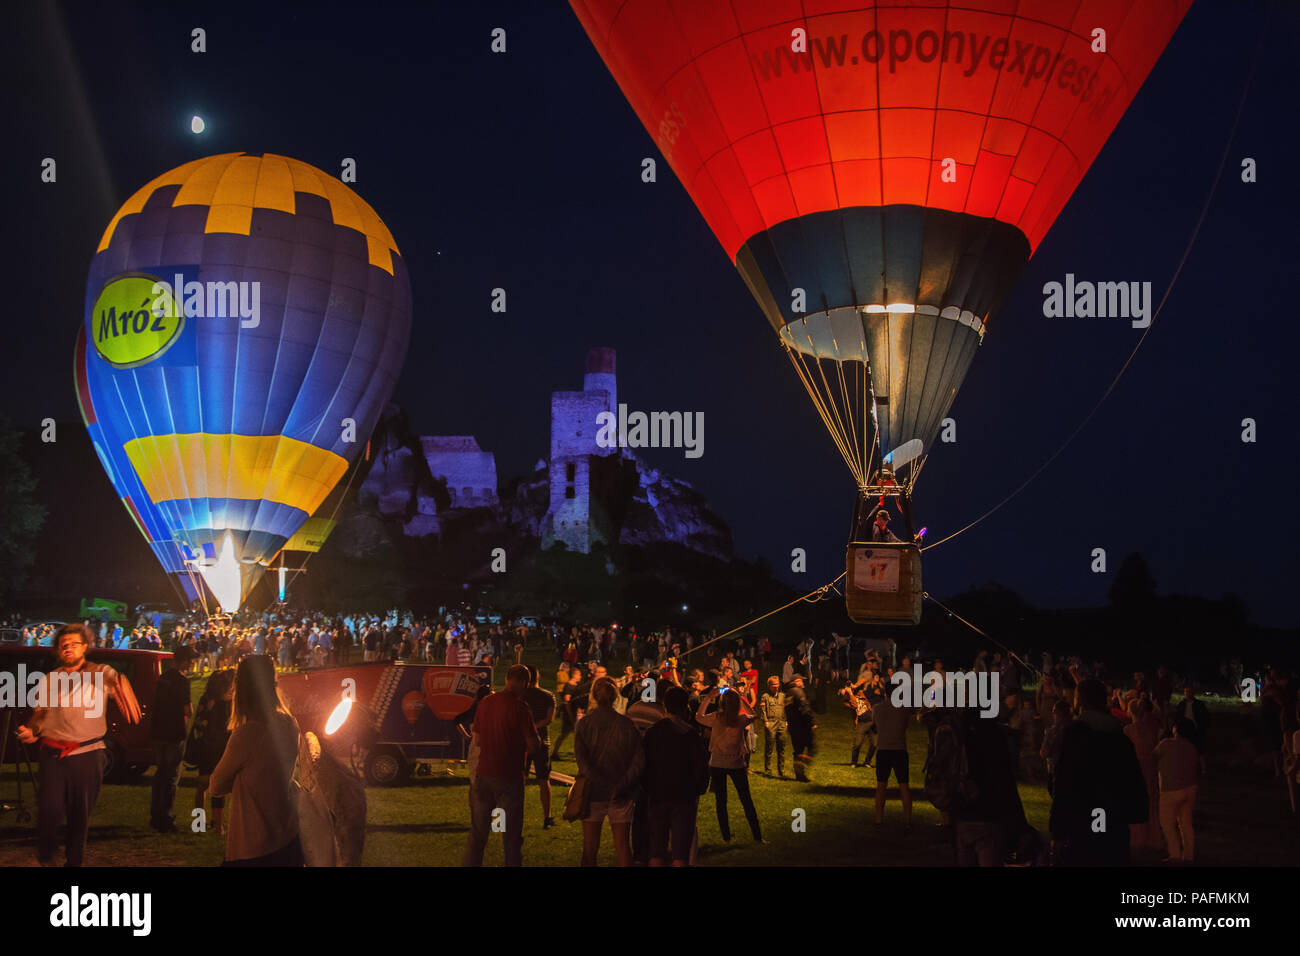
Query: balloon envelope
[[880, 172], [246, 318]]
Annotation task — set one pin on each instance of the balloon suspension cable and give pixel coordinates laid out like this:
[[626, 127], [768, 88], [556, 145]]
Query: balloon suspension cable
[[840, 419], [1205, 208], [812, 597], [1009, 652]]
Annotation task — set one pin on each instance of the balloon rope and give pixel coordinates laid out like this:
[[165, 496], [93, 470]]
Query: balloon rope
[[850, 412], [1205, 208], [816, 594], [841, 428], [796, 359], [1010, 653]]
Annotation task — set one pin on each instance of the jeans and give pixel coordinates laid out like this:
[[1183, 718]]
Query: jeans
[[69, 789], [775, 740], [740, 777], [167, 756], [487, 794]]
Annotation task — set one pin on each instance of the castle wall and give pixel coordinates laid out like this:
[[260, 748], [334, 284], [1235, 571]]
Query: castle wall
[[470, 472]]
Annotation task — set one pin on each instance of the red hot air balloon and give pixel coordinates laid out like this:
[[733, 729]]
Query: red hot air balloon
[[412, 705], [880, 173]]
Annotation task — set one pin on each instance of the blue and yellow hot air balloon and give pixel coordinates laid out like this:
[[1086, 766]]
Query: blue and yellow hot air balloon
[[246, 318]]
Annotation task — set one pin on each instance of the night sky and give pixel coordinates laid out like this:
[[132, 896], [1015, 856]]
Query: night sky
[[522, 171]]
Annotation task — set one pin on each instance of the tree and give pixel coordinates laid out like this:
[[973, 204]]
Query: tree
[[20, 516], [1134, 587]]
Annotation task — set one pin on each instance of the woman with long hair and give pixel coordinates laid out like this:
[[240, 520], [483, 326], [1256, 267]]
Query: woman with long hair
[[257, 770], [729, 756], [207, 741], [1144, 730]]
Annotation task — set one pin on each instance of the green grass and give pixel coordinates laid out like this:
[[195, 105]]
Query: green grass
[[1242, 816]]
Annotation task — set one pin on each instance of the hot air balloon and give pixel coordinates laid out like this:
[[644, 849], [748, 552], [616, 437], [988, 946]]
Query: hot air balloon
[[412, 705], [246, 319], [880, 173]]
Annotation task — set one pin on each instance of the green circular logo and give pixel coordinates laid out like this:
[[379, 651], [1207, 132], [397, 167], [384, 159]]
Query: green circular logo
[[135, 319]]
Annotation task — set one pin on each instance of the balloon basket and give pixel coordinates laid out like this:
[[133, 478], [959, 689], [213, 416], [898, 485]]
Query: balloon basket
[[883, 584]]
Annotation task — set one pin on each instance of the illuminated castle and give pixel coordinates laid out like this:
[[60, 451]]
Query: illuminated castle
[[583, 476]]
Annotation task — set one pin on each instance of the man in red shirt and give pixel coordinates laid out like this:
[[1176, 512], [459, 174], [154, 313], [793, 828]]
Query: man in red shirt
[[504, 735]]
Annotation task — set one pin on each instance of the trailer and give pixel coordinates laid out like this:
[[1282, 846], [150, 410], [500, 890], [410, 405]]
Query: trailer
[[409, 711]]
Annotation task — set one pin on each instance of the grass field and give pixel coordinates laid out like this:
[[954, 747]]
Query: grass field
[[1242, 816]]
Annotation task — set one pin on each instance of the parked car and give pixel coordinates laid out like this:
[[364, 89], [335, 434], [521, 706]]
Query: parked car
[[130, 752]]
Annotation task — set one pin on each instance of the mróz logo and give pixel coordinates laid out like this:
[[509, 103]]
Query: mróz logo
[[126, 327], [137, 318]]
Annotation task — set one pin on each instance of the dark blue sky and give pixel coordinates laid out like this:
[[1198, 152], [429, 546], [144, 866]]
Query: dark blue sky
[[522, 171]]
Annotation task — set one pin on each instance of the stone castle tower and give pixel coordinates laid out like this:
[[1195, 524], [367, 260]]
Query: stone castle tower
[[583, 476]]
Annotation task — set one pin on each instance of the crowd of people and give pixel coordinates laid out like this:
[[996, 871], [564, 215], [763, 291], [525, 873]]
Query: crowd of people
[[651, 738]]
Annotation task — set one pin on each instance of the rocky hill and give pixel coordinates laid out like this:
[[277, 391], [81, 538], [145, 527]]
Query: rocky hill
[[400, 492]]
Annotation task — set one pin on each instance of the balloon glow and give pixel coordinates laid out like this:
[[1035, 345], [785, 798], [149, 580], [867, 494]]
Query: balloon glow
[[222, 576], [224, 434]]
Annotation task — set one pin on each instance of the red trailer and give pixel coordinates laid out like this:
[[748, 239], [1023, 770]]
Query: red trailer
[[409, 711]]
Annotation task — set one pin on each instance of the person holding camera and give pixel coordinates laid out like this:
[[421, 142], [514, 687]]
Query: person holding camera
[[864, 723], [729, 754]]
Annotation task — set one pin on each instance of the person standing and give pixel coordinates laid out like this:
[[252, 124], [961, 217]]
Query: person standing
[[207, 742], [864, 724], [1178, 765], [1195, 711], [771, 709], [891, 756], [257, 769], [541, 703], [986, 827], [71, 729], [609, 754], [505, 733], [802, 725], [729, 756], [171, 711], [568, 708], [1143, 729], [676, 773], [1098, 771]]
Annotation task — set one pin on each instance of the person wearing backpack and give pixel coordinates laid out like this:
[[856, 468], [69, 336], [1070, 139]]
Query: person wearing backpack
[[676, 774]]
